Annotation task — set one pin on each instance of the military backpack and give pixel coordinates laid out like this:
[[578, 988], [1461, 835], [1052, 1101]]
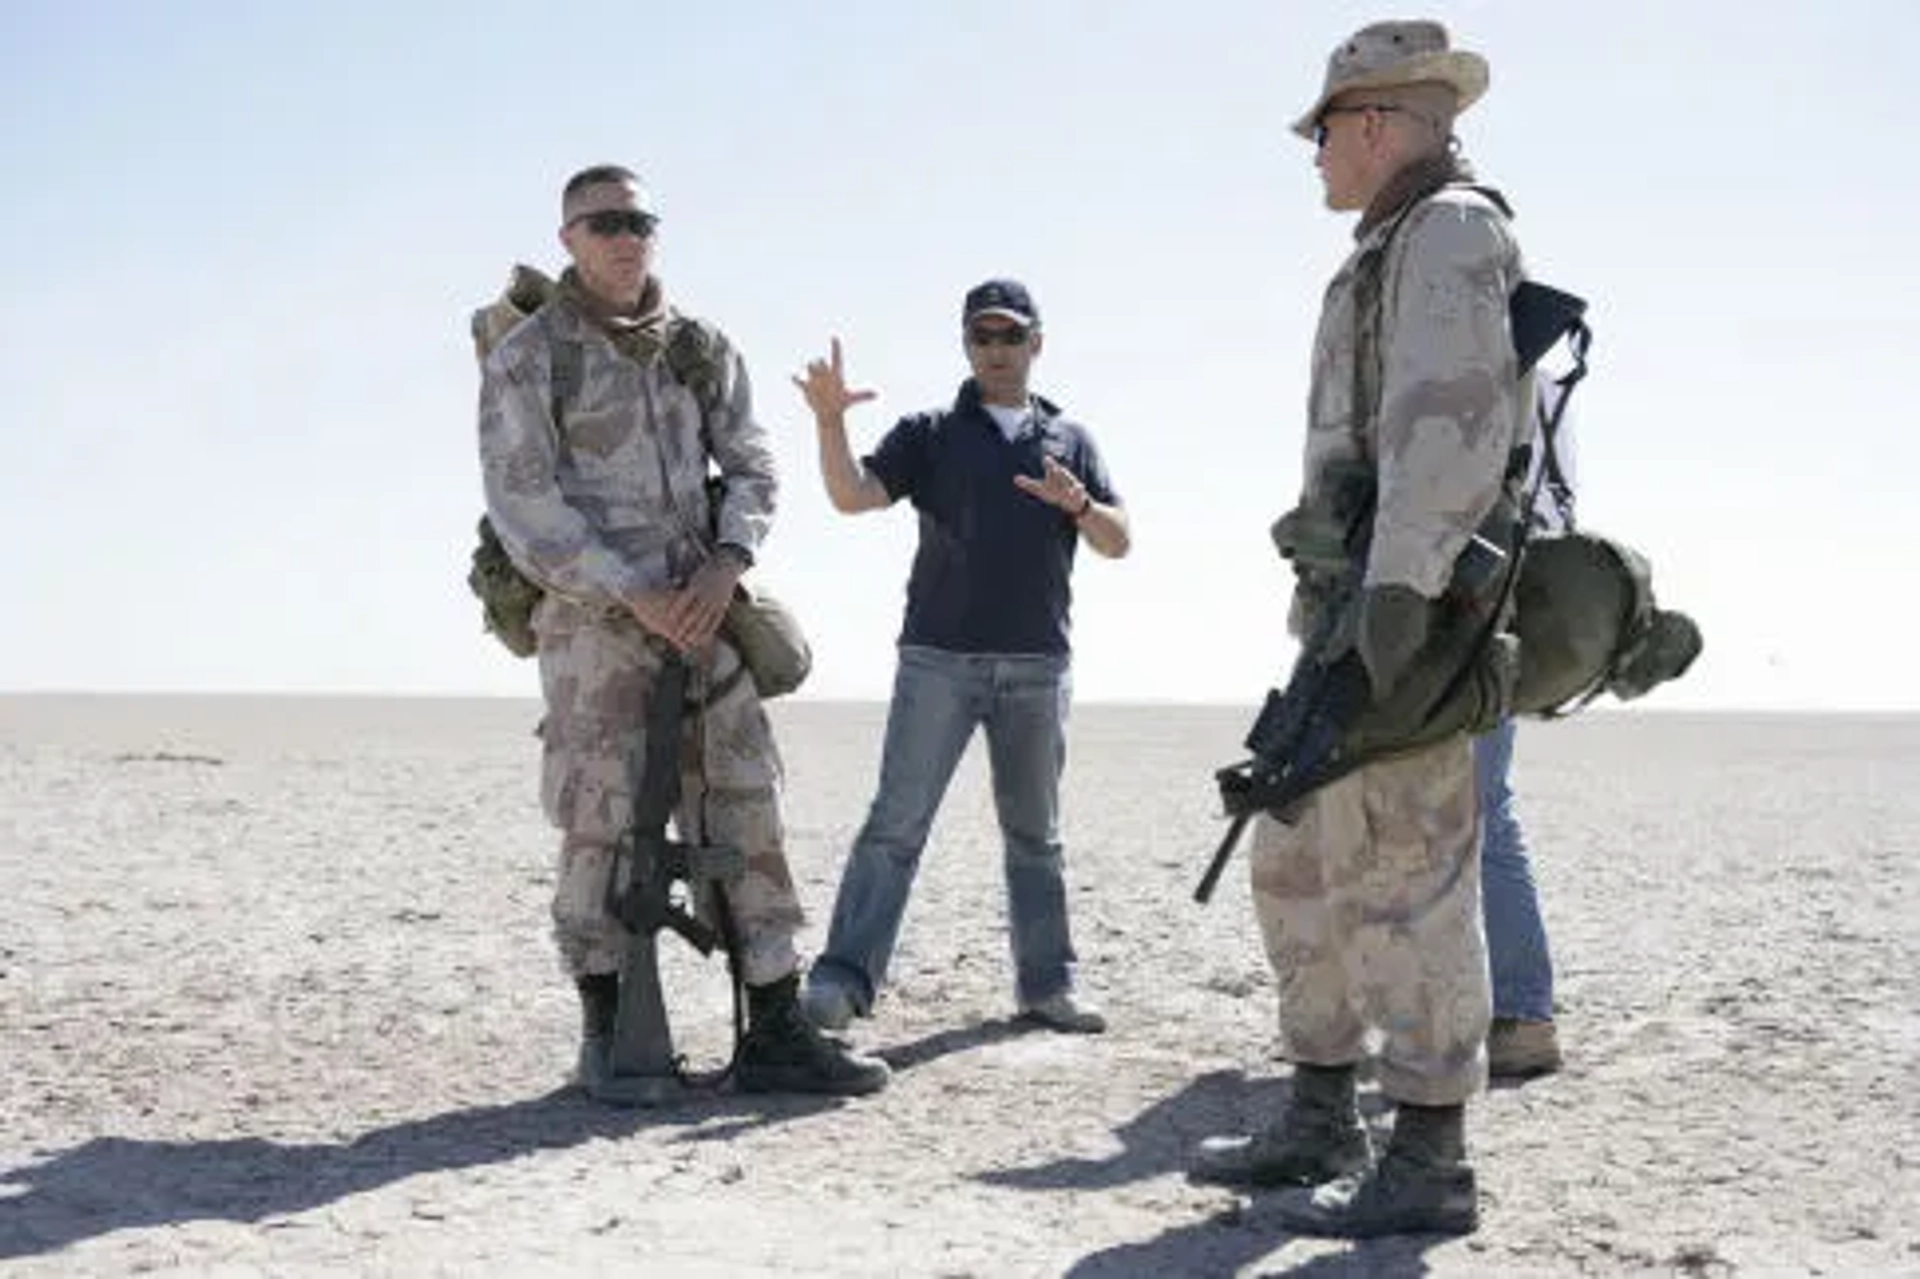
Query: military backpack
[[1580, 616], [1527, 626]]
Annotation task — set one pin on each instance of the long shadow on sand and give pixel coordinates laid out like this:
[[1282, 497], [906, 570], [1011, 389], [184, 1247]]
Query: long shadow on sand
[[1231, 1242], [1159, 1140], [114, 1183], [955, 1039]]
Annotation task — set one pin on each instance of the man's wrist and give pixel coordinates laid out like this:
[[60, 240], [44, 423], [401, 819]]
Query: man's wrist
[[1086, 507], [735, 554]]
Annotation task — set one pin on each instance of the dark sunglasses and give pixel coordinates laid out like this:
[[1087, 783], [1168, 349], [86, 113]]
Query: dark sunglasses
[[611, 222], [1320, 125], [998, 335]]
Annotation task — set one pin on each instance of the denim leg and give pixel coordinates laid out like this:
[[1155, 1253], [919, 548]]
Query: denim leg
[[935, 707], [1027, 749], [1517, 954]]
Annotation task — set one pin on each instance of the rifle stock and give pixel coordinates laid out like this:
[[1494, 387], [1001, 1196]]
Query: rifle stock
[[1539, 316]]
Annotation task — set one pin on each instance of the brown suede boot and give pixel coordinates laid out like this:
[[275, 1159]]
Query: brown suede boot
[[1518, 1049]]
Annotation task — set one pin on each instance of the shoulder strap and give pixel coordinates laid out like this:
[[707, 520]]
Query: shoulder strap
[[566, 364], [1550, 473], [1369, 286], [1579, 338], [1369, 297], [529, 296], [693, 350]]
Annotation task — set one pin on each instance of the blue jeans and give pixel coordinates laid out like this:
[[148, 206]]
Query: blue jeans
[[1517, 955], [938, 700]]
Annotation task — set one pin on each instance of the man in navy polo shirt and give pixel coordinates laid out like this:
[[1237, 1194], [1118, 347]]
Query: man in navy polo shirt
[[1007, 487]]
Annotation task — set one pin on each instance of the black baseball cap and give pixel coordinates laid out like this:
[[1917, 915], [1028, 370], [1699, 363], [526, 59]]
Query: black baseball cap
[[1007, 298]]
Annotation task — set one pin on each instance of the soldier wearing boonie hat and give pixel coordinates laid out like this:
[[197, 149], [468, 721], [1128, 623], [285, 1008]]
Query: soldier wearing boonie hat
[[1368, 896], [1389, 55]]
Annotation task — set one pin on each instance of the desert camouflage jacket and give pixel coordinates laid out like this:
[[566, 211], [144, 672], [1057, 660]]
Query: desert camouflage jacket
[[613, 500], [1440, 373]]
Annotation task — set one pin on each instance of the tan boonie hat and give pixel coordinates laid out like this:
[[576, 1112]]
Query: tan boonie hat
[[1389, 54]]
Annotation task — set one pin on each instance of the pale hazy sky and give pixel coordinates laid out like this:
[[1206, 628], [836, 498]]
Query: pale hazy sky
[[240, 243]]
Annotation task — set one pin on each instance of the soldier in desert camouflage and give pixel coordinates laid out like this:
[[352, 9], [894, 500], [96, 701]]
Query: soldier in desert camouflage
[[607, 509], [1368, 895]]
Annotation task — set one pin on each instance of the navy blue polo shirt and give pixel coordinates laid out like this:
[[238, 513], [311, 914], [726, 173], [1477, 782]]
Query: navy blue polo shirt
[[991, 574]]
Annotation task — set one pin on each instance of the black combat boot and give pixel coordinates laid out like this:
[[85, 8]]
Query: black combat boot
[[782, 1052], [1318, 1137], [1422, 1185], [599, 1006]]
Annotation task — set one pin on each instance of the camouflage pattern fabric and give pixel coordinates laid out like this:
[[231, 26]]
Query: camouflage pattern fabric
[[614, 501], [611, 502], [596, 674], [1369, 904], [1451, 403], [1370, 901]]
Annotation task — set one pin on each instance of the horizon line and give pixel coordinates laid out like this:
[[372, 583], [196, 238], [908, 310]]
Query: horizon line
[[1145, 703]]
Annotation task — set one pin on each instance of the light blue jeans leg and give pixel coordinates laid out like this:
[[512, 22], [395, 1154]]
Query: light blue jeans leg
[[938, 698], [1027, 750], [1517, 956]]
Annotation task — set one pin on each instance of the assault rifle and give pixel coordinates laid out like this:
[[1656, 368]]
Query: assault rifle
[[640, 894], [1298, 738], [1303, 737]]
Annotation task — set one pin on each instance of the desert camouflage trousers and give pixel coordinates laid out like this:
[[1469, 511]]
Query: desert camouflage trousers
[[596, 673], [1369, 903]]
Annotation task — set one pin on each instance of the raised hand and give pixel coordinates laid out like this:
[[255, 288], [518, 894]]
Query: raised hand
[[825, 387]]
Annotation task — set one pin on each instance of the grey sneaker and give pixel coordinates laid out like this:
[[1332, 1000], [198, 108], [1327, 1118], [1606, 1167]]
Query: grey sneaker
[[827, 1005], [1395, 1197], [1519, 1049], [1065, 1013]]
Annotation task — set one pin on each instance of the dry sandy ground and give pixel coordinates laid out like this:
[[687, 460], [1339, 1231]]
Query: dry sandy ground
[[277, 997]]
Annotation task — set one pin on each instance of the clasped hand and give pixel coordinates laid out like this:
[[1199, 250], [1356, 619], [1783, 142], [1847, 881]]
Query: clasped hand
[[690, 617]]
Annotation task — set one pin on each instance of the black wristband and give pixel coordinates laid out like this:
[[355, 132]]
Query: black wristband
[[1085, 506]]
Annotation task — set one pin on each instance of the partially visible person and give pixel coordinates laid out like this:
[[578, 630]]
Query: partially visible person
[[1007, 487], [1523, 1041], [596, 484]]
